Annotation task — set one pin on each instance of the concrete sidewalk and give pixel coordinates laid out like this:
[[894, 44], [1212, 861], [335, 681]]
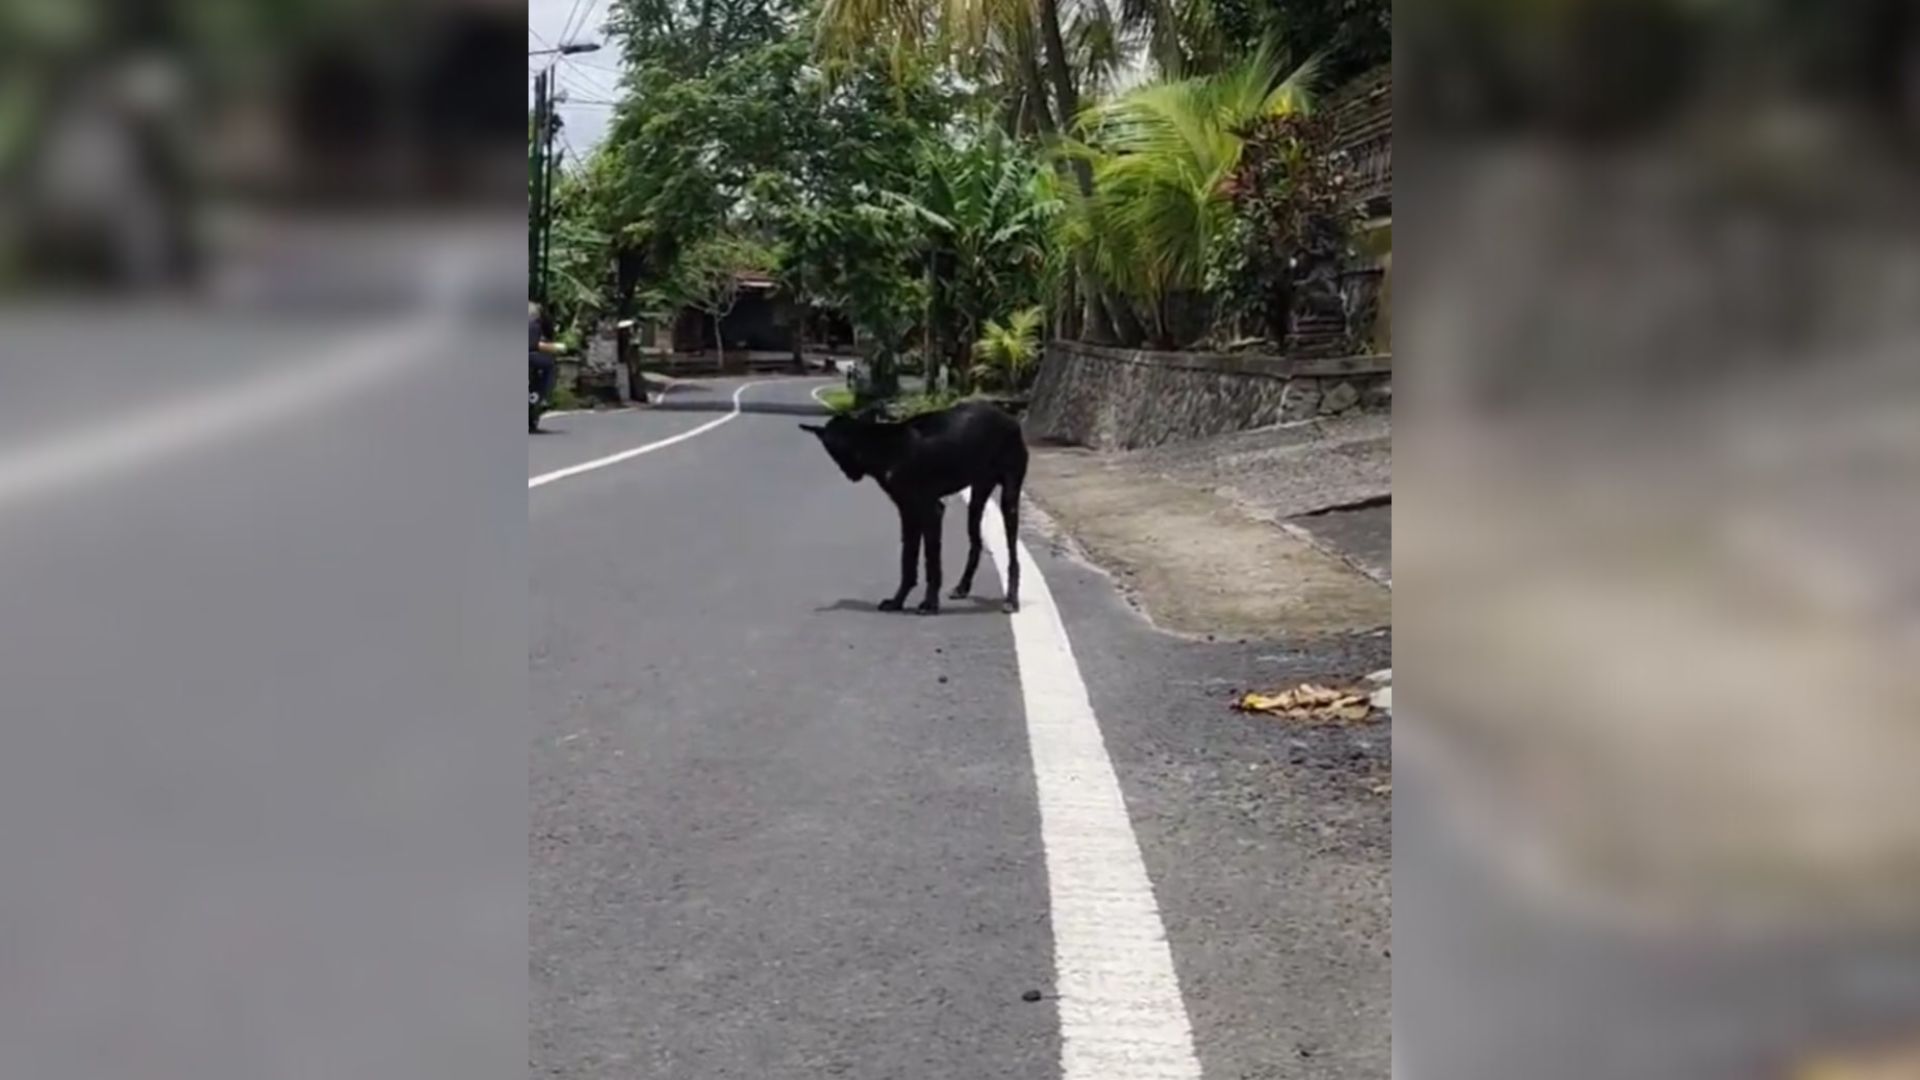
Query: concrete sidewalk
[[1281, 532]]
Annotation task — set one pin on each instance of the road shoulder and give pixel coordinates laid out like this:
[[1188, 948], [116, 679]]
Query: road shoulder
[[1184, 582]]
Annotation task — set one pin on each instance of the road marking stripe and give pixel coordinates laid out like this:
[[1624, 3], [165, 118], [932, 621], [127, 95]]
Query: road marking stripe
[[352, 365], [627, 455], [557, 413], [125, 441], [1121, 1014], [815, 393]]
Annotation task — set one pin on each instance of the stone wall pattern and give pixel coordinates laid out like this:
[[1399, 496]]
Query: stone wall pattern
[[1109, 398]]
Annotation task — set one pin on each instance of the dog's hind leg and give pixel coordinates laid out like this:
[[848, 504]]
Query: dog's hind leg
[[909, 559], [1010, 515], [932, 519], [976, 508]]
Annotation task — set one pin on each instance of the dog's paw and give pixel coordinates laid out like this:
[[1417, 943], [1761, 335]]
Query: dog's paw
[[929, 606], [1010, 606], [890, 604], [960, 592]]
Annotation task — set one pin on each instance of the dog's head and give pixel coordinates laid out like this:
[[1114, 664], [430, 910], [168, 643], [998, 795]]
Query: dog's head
[[842, 438]]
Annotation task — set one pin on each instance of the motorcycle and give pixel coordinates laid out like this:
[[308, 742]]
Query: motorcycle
[[539, 389]]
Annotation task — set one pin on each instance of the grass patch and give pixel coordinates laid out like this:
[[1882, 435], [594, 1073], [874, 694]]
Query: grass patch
[[563, 399], [838, 399], [912, 405]]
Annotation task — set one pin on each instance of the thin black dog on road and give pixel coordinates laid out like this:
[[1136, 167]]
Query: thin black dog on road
[[919, 462]]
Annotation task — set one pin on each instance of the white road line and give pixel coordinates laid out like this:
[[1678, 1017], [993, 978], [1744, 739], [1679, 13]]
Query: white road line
[[135, 439], [620, 411], [125, 441], [627, 455], [815, 394], [1121, 1014]]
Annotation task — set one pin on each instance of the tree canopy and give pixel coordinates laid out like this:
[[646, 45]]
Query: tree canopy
[[934, 169]]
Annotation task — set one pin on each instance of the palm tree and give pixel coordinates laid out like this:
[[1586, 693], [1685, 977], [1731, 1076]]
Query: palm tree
[[1160, 155], [1008, 350]]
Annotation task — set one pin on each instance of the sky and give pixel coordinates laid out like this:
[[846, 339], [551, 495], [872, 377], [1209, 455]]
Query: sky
[[589, 78]]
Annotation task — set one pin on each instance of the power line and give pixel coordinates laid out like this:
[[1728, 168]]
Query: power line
[[586, 24], [599, 67], [580, 69], [566, 28], [566, 145], [590, 84]]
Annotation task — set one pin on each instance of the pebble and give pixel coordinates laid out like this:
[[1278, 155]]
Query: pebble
[[943, 678], [1031, 995]]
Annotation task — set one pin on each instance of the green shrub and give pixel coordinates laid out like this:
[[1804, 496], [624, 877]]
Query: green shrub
[[1007, 351], [839, 399], [912, 405]]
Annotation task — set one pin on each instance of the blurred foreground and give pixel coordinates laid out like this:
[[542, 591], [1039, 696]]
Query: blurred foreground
[[262, 781], [1660, 447]]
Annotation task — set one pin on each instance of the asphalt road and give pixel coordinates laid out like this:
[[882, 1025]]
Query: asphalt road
[[777, 833]]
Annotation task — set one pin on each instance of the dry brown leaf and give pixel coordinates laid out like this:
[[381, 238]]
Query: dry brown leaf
[[1309, 701]]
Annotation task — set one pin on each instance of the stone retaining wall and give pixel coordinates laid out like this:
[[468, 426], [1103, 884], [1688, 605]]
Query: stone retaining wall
[[1107, 398]]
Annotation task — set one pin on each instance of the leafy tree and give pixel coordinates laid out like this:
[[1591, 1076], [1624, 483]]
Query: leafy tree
[[750, 134], [1051, 55], [709, 273], [580, 268], [709, 84], [1352, 36]]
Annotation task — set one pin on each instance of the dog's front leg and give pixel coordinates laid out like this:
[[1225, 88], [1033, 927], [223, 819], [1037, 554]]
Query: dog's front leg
[[932, 518], [909, 559]]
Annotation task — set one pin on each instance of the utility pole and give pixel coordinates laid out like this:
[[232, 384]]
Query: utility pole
[[540, 203], [537, 200], [546, 192]]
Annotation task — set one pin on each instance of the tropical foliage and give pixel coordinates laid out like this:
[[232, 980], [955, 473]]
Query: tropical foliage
[[1007, 351], [1162, 155], [1294, 225], [984, 209], [963, 178]]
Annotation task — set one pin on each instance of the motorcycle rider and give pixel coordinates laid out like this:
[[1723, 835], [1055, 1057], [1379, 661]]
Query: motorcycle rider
[[540, 353]]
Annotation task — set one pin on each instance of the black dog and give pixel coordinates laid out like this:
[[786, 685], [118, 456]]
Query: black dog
[[923, 460]]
